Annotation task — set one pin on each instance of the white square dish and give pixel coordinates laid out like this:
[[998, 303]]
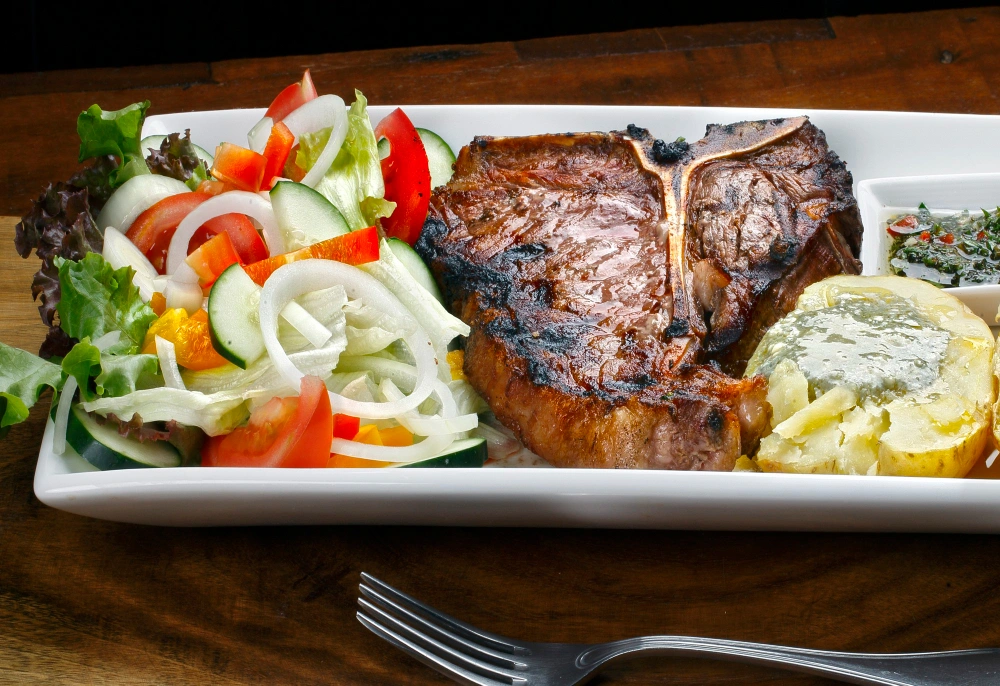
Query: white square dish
[[874, 144], [880, 199]]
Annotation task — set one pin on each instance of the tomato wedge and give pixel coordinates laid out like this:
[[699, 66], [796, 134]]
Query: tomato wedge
[[407, 177], [152, 230], [284, 432], [279, 146], [357, 247], [291, 98], [239, 167]]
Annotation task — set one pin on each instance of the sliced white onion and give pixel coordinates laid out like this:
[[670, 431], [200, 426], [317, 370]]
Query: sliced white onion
[[185, 274], [261, 131], [136, 196], [184, 296], [306, 324], [239, 202], [422, 425], [168, 364], [109, 339], [298, 278], [62, 416], [429, 447], [120, 252], [326, 111]]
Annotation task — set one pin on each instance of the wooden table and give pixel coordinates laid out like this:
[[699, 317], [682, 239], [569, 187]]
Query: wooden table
[[85, 601]]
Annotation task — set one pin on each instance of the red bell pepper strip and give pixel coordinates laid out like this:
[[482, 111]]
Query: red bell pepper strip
[[345, 426], [407, 177], [357, 247], [279, 145], [215, 256], [240, 167], [291, 98]]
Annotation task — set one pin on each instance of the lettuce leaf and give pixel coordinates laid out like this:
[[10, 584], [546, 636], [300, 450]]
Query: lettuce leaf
[[97, 299], [354, 181], [178, 159], [59, 225], [23, 377], [215, 414], [115, 133], [83, 363], [109, 375], [124, 374]]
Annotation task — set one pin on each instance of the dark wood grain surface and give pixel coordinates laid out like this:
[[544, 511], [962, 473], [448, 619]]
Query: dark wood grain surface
[[85, 601]]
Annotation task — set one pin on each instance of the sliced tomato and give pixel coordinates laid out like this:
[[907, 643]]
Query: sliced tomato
[[192, 343], [407, 177], [279, 146], [291, 98], [357, 247], [284, 432], [213, 257], [240, 167], [152, 230], [345, 426]]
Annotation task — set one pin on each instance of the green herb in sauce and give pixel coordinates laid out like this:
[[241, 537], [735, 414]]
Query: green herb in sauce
[[959, 249], [879, 345]]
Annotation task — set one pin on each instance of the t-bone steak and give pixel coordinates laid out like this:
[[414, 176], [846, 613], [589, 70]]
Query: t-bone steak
[[616, 285]]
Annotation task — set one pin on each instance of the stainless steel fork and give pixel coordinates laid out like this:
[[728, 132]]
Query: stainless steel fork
[[473, 656]]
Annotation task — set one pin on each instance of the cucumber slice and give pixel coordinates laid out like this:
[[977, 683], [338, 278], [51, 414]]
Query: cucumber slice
[[106, 449], [304, 216], [234, 318], [440, 158], [469, 452], [415, 265], [154, 142]]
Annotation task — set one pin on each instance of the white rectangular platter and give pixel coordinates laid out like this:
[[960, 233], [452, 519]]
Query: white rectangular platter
[[873, 144]]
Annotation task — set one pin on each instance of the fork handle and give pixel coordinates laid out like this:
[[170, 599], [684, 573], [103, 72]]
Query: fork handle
[[966, 667]]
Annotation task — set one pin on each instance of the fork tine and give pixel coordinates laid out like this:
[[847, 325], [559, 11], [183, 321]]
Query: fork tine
[[433, 661], [483, 638], [443, 652], [437, 632]]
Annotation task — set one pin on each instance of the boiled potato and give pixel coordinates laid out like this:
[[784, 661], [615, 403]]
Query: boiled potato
[[877, 375]]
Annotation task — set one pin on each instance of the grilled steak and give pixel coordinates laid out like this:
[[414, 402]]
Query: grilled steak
[[609, 279]]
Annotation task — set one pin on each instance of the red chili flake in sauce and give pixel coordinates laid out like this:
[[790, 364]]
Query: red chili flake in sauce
[[902, 227], [925, 235], [948, 239]]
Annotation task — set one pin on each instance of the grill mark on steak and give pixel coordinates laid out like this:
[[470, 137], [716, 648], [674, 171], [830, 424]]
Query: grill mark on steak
[[608, 283]]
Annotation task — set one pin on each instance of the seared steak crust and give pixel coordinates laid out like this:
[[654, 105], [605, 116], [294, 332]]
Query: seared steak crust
[[568, 256]]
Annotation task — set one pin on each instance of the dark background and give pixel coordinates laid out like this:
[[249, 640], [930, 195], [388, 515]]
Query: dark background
[[53, 35]]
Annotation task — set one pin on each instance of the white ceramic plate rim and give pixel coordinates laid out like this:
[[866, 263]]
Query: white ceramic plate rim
[[571, 497]]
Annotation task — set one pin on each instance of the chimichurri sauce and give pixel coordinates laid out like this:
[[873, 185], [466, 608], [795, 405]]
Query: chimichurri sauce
[[960, 249]]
